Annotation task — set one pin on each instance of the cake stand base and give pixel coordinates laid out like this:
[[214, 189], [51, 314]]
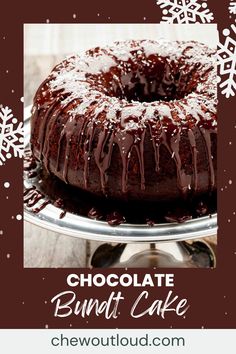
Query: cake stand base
[[196, 254]]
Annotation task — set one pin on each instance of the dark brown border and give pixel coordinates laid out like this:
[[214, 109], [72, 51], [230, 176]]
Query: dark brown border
[[211, 293]]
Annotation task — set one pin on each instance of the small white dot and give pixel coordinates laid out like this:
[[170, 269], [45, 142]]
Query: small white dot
[[98, 14], [74, 15], [226, 32], [23, 302], [229, 220], [8, 155], [12, 91], [8, 255], [1, 232], [7, 71], [46, 326], [47, 20], [234, 212], [226, 313], [144, 18], [18, 216], [45, 302], [14, 120], [22, 99], [230, 142], [165, 12], [3, 37], [230, 181], [6, 184], [204, 5]]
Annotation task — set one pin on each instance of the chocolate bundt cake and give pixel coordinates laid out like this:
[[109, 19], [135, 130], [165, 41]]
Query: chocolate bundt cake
[[135, 120]]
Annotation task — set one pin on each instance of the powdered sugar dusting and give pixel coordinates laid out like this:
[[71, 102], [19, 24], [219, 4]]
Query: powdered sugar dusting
[[101, 63], [74, 77], [150, 112], [131, 116], [162, 48], [121, 52], [164, 110]]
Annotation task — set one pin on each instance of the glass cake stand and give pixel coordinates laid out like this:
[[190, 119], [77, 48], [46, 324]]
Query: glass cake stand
[[174, 245]]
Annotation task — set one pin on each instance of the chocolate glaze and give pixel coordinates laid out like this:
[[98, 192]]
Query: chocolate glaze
[[49, 189], [133, 121], [32, 174], [115, 218], [35, 200], [63, 214], [29, 163]]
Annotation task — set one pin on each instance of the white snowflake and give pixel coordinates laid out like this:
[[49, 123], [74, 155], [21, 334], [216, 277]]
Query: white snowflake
[[185, 11], [232, 7], [226, 58], [11, 136]]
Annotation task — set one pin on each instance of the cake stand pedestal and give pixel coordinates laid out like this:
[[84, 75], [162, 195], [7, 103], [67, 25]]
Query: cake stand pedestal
[[182, 254]]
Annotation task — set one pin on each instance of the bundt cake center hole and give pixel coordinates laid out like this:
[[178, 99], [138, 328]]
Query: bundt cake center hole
[[162, 84]]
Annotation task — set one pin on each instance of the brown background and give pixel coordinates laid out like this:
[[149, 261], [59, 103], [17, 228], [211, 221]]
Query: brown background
[[211, 293]]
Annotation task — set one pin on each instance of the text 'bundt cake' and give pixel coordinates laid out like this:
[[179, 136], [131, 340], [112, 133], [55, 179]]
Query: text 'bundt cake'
[[134, 120]]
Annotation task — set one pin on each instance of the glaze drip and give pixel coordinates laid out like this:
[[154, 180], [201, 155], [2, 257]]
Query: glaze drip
[[47, 189], [207, 138], [32, 198], [118, 100]]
